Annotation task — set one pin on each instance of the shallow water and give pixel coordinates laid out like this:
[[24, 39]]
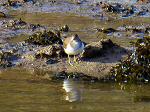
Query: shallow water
[[20, 92]]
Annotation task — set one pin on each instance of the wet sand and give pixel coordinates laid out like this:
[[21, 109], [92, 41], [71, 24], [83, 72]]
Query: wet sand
[[91, 27]]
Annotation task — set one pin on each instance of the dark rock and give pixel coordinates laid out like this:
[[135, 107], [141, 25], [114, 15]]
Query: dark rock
[[65, 28], [77, 1], [2, 15], [95, 49], [136, 67], [45, 38], [51, 61], [147, 30], [107, 44], [115, 8], [128, 12], [108, 30], [34, 27], [143, 12], [15, 24], [17, 3], [51, 51], [5, 59], [75, 76], [61, 75]]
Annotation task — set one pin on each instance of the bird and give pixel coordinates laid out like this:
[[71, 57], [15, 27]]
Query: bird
[[73, 46]]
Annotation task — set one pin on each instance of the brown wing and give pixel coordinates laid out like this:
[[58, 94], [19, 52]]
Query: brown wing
[[66, 41]]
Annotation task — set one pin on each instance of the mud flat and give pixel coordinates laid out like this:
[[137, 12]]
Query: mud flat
[[96, 61], [31, 36]]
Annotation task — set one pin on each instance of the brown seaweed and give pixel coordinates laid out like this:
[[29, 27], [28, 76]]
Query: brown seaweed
[[136, 67]]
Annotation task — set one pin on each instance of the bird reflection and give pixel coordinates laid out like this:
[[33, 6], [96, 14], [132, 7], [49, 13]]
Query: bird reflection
[[72, 92]]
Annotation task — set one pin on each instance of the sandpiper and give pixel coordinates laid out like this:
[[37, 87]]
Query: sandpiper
[[73, 46]]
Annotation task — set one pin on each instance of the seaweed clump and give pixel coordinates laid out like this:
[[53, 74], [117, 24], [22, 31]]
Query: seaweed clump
[[51, 51], [5, 59], [64, 28], [2, 15], [123, 9], [117, 8], [75, 76], [17, 3], [136, 67], [45, 38], [15, 24]]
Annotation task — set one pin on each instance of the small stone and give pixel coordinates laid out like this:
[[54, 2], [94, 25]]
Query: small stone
[[2, 15]]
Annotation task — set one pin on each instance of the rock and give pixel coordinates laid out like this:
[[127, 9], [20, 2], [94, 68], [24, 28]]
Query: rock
[[136, 67], [15, 24], [2, 15], [108, 30], [29, 56], [77, 1], [5, 64], [45, 38], [95, 49], [92, 49], [51, 61], [65, 28], [14, 3], [75, 76], [17, 3], [34, 26], [115, 8], [50, 51], [142, 12], [5, 59], [21, 1], [147, 30], [128, 12]]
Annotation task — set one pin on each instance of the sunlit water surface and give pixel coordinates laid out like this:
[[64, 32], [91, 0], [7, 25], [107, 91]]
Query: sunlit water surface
[[20, 92]]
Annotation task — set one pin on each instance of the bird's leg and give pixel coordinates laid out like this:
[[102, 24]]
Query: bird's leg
[[79, 57], [69, 61], [82, 54], [76, 59]]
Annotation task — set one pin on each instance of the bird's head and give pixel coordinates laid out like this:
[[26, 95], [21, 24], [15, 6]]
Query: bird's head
[[75, 37]]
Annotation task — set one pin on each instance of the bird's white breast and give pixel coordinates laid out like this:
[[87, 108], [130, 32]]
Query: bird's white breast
[[74, 50]]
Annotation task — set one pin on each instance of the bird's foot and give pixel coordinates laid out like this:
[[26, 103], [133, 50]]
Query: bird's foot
[[76, 62], [71, 64], [78, 59]]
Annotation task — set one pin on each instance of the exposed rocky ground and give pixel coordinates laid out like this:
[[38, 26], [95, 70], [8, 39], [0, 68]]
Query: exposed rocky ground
[[136, 67], [42, 46]]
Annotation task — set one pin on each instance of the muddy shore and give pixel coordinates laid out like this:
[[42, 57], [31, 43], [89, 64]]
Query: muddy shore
[[106, 27]]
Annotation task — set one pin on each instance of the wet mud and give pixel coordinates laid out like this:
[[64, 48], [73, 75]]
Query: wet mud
[[32, 32]]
